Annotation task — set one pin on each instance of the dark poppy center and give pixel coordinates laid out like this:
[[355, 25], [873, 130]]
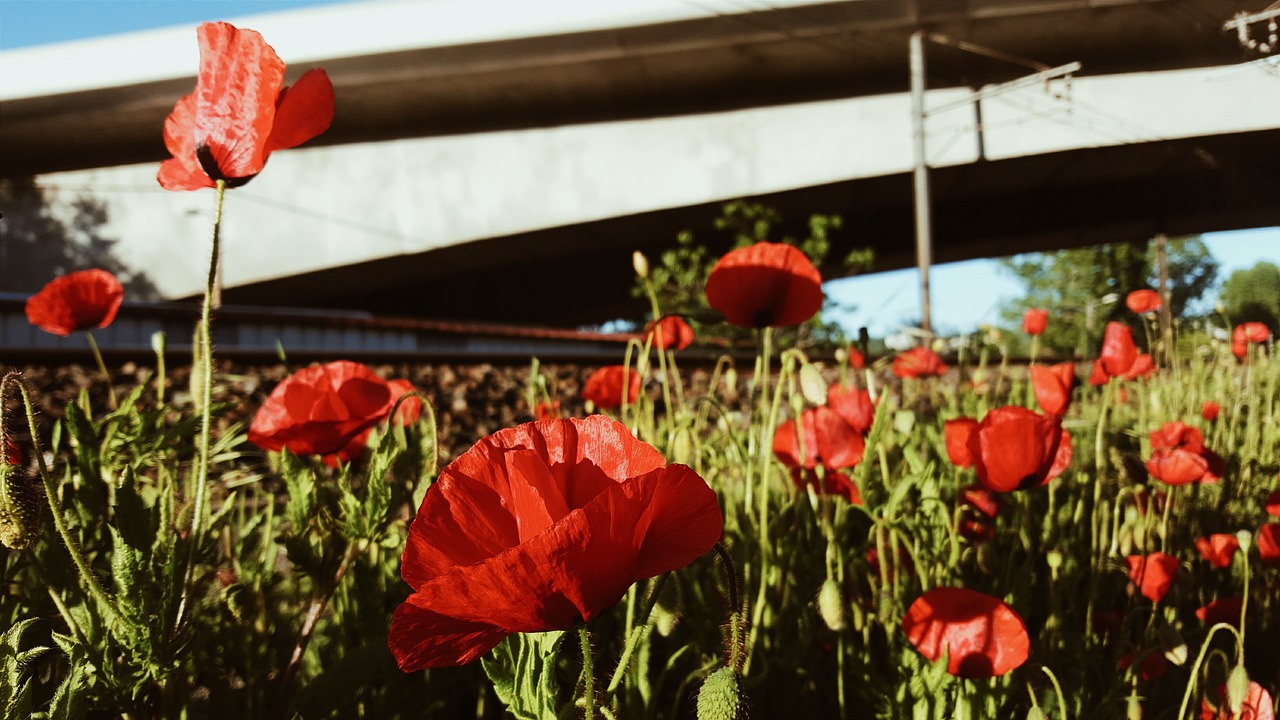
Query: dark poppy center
[[204, 154]]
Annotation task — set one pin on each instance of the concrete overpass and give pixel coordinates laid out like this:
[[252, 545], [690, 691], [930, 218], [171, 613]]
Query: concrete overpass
[[658, 111]]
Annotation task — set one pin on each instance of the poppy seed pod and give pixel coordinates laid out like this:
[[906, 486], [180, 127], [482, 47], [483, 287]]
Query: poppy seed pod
[[720, 697]]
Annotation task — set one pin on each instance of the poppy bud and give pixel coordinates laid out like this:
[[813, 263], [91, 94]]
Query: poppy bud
[[842, 356], [812, 386], [682, 447], [1237, 689], [1133, 710], [731, 379], [1035, 713], [720, 697], [664, 620], [641, 264], [157, 342], [831, 605], [1246, 539], [21, 507]]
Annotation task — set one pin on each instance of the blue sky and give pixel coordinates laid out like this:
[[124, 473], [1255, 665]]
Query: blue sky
[[965, 294]]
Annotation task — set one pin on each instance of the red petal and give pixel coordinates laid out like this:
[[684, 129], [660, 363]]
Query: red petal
[[1052, 387], [854, 406], [983, 636], [669, 331], [765, 285], [303, 111], [1018, 448], [1176, 467], [1143, 301], [1153, 574], [182, 171], [1118, 351], [961, 436], [76, 301], [421, 638], [236, 91], [319, 410], [1218, 549], [604, 386]]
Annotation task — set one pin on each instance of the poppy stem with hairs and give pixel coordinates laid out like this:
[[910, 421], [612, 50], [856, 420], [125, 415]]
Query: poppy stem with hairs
[[588, 673], [1100, 463], [204, 353], [102, 368], [634, 631], [105, 601]]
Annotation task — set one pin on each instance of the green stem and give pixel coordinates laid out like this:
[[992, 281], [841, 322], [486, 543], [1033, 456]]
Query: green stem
[[205, 354], [588, 674], [102, 368], [99, 593]]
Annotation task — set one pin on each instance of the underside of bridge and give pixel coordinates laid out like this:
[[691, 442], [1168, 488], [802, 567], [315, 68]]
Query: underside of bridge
[[582, 274]]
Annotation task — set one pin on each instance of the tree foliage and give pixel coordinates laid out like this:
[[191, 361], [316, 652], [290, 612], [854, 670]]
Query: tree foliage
[[1253, 295], [1084, 288]]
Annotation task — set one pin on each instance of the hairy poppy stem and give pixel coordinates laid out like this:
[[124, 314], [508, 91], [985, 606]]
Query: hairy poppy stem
[[588, 673], [102, 368], [204, 353], [105, 601]]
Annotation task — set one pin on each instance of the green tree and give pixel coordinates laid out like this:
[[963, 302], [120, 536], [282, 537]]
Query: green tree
[[1084, 288], [1254, 295]]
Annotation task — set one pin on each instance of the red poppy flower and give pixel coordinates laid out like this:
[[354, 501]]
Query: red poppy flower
[[854, 406], [1152, 574], [982, 500], [538, 527], [604, 386], [1210, 410], [1245, 333], [828, 441], [318, 410], [1218, 548], [408, 414], [669, 331], [1273, 504], [1257, 705], [857, 360], [1019, 448], [1223, 610], [1143, 301], [1153, 664], [1268, 540], [547, 410], [76, 301], [765, 285], [918, 362], [961, 436], [1118, 351], [12, 453], [1178, 456], [240, 112], [1144, 366], [1034, 321], [981, 635], [1052, 386], [1099, 376]]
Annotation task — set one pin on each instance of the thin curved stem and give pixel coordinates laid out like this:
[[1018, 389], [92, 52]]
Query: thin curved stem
[[102, 368]]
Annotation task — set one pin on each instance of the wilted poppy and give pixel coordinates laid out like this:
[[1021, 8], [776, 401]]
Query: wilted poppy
[[76, 301], [1019, 448], [1246, 333], [1118, 350], [1152, 574], [1143, 301], [765, 285], [604, 386], [240, 111], [1257, 705], [854, 406], [981, 635], [1223, 610], [961, 436], [1210, 410], [1178, 456], [918, 362], [1035, 320], [1268, 539], [539, 527], [1052, 386], [320, 409], [669, 332], [1218, 548]]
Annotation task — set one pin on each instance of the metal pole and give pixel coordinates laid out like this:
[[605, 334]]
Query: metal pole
[[924, 229], [1166, 312]]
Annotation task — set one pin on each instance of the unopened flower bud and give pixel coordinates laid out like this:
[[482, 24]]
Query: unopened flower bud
[[812, 385], [1237, 689], [720, 697], [731, 379], [682, 447], [157, 342], [1035, 713], [1054, 559], [641, 264], [1246, 540], [831, 605], [842, 356], [21, 507], [1133, 709]]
